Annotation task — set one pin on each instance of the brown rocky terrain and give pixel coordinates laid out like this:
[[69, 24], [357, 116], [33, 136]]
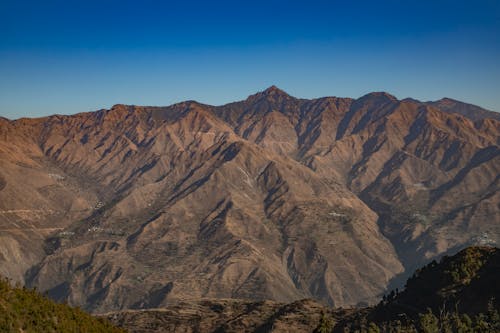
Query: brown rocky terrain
[[471, 111], [273, 198], [225, 315]]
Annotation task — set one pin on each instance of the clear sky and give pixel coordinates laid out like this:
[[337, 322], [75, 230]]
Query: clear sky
[[73, 56]]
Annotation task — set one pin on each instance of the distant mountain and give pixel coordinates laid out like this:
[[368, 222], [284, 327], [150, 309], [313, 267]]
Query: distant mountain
[[24, 310], [273, 197], [468, 110]]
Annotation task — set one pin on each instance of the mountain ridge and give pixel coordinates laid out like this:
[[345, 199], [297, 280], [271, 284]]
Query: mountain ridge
[[443, 104], [290, 198]]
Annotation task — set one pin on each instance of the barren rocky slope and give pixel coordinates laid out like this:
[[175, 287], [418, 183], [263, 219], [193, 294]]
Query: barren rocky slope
[[273, 197]]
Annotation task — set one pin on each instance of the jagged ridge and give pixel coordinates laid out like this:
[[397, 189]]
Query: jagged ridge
[[138, 207]]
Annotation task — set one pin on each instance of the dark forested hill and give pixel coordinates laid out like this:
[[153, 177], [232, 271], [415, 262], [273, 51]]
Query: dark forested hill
[[461, 293]]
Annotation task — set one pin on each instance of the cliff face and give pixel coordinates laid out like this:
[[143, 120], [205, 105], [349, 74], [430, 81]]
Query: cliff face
[[273, 197]]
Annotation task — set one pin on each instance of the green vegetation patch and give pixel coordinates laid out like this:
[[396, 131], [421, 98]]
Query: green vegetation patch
[[25, 310]]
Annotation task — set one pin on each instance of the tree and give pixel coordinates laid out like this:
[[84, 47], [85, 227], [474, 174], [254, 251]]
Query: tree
[[428, 322], [373, 328], [325, 324]]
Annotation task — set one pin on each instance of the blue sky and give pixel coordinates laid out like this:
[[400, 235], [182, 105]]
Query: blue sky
[[74, 56]]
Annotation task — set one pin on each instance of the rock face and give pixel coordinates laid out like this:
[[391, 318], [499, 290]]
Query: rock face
[[273, 197]]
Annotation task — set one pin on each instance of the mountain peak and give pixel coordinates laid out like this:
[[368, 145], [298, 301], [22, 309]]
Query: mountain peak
[[271, 93], [380, 94], [122, 107], [447, 100], [470, 111], [273, 90]]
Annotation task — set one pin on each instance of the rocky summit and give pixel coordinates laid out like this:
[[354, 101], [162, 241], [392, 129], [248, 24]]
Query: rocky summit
[[271, 198]]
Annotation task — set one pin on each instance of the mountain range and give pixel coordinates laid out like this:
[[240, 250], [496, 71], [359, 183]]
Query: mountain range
[[273, 197]]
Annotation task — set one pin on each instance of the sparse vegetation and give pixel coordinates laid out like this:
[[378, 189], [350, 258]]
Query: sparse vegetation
[[428, 322], [25, 310], [464, 270], [326, 324]]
